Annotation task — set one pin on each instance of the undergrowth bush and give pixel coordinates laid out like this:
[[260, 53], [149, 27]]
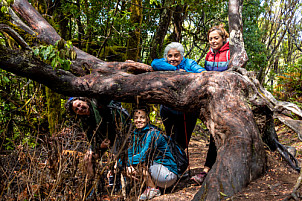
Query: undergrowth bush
[[289, 85], [54, 170]]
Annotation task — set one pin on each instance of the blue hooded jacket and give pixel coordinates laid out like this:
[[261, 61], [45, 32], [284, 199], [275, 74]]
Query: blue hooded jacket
[[141, 150], [188, 65]]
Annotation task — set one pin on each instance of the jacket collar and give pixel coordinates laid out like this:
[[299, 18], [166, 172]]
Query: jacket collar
[[143, 130], [182, 64]]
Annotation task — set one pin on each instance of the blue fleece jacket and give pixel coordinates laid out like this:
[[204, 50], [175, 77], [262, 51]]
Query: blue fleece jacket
[[141, 149], [188, 65]]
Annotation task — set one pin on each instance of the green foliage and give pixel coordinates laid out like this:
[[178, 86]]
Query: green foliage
[[28, 140], [113, 53], [10, 144], [5, 5], [22, 113], [252, 35], [58, 56], [289, 85], [156, 2]]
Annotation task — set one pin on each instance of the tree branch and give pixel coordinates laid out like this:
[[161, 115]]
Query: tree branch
[[14, 35]]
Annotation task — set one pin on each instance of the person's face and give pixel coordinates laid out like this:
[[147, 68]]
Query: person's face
[[140, 119], [174, 57], [215, 40], [80, 107]]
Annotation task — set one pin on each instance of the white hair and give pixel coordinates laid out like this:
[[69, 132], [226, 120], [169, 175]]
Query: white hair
[[174, 45]]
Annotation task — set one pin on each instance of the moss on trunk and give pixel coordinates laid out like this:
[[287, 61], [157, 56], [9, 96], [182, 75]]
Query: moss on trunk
[[133, 47], [53, 110]]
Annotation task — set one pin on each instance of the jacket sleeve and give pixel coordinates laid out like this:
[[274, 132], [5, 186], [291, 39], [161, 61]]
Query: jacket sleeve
[[194, 67], [134, 159], [207, 58], [162, 65], [130, 156]]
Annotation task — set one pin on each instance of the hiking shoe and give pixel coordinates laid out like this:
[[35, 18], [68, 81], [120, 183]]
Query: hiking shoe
[[150, 193], [199, 178]]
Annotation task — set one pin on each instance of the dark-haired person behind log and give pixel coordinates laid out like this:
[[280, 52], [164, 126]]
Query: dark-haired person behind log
[[217, 59], [101, 122]]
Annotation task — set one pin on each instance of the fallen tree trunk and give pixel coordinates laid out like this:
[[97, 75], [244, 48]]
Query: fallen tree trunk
[[223, 100]]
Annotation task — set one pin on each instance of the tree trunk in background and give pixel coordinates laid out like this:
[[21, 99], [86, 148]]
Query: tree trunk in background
[[88, 33], [54, 110], [239, 57], [158, 39], [178, 19], [80, 27], [276, 28], [133, 46]]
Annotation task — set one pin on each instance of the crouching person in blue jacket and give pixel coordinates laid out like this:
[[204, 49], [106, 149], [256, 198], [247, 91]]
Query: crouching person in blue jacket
[[149, 157]]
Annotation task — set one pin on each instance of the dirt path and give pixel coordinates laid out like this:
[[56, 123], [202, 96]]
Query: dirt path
[[275, 184]]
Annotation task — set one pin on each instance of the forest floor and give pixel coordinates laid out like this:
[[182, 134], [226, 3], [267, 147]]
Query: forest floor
[[276, 184], [27, 176]]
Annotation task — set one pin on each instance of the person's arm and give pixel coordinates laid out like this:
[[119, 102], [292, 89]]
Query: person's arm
[[162, 65], [194, 67], [206, 59]]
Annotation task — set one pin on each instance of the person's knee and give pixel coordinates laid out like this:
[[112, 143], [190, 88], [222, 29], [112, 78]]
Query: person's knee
[[162, 176], [167, 181]]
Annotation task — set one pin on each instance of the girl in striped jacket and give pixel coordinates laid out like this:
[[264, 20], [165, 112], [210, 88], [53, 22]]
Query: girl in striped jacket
[[218, 57]]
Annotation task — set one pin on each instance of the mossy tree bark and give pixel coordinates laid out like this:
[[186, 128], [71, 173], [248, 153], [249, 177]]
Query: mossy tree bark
[[133, 46], [53, 110]]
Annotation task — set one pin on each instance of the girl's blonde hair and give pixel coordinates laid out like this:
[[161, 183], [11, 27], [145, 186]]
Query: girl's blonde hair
[[220, 29]]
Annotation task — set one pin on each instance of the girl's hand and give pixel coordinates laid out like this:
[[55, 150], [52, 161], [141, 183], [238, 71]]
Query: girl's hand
[[131, 172]]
